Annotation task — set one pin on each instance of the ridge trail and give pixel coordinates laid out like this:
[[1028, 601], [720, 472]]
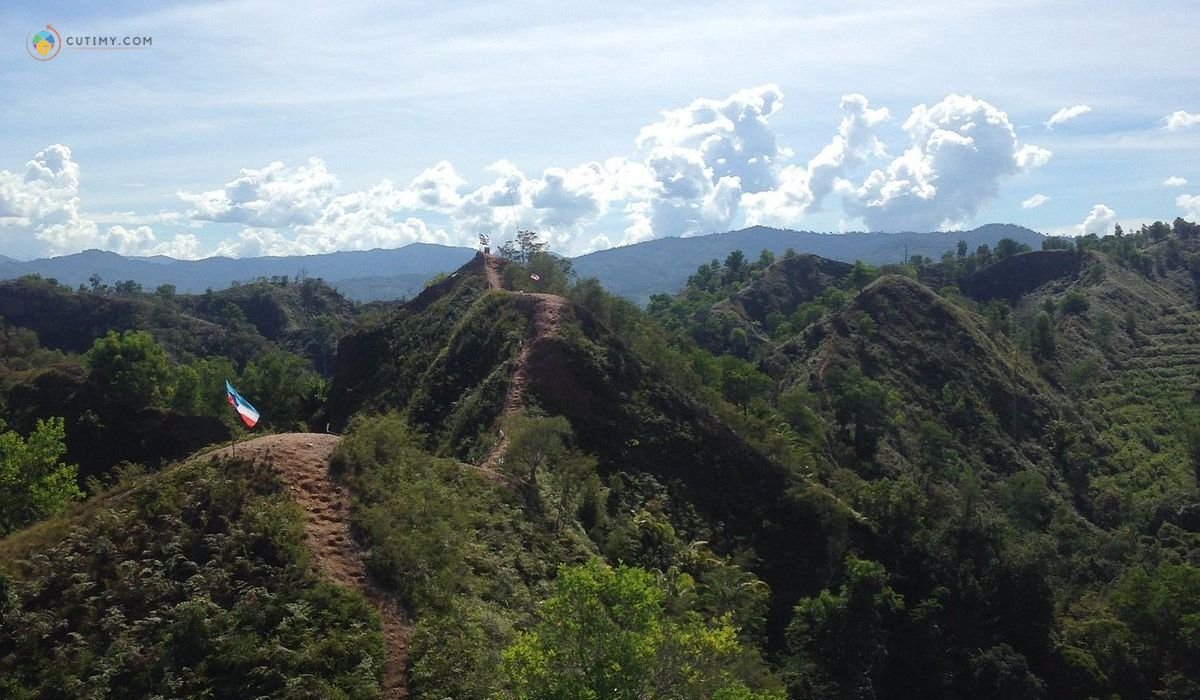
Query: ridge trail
[[547, 316], [301, 460]]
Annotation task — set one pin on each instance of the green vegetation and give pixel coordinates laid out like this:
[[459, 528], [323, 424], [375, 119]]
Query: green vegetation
[[973, 476], [34, 483], [606, 634], [139, 377], [475, 557], [192, 583]]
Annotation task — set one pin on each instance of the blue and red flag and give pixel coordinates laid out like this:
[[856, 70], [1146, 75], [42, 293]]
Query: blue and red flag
[[246, 412]]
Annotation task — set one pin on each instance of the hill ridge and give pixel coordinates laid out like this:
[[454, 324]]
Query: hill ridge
[[301, 460], [547, 313]]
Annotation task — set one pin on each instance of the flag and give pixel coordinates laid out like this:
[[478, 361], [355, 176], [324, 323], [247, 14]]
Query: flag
[[533, 276], [246, 412]]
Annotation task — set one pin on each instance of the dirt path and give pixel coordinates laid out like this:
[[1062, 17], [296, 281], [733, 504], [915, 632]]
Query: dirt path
[[547, 315], [491, 269], [302, 461]]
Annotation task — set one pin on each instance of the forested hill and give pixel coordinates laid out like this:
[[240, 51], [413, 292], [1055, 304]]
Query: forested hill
[[138, 376], [662, 266], [971, 475], [1019, 427]]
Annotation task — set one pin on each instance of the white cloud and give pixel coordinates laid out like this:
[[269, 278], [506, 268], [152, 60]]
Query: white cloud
[[127, 218], [80, 233], [271, 197], [1190, 203], [1101, 221], [731, 136], [1066, 114], [712, 165], [435, 189], [1174, 181], [40, 215], [960, 150], [700, 160], [48, 187], [801, 190], [1180, 120], [1035, 201]]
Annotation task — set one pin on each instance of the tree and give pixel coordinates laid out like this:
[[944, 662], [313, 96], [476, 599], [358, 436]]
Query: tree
[[861, 275], [199, 387], [129, 370], [282, 387], [862, 404], [1029, 498], [529, 245], [1001, 673], [1190, 429], [554, 272], [1041, 337], [1057, 243], [34, 483], [962, 250], [837, 643], [605, 634], [1161, 607], [1075, 303], [535, 442], [540, 446], [1007, 247], [127, 288], [741, 381]]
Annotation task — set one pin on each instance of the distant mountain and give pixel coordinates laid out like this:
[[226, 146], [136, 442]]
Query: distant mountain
[[416, 261], [635, 272], [663, 265]]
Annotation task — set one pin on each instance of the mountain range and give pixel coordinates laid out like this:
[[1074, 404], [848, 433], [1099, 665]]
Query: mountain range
[[635, 271]]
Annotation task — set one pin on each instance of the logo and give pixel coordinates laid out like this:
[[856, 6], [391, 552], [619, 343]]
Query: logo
[[44, 45]]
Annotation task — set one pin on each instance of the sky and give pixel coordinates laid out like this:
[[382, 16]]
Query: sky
[[257, 127]]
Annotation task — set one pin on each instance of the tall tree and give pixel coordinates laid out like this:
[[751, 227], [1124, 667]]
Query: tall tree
[[129, 370], [34, 482]]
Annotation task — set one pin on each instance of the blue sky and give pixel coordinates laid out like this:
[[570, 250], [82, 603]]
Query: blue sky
[[262, 127]]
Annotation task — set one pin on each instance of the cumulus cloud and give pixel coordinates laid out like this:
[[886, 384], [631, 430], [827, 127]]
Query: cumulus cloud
[[1101, 220], [1190, 203], [800, 190], [40, 215], [1035, 201], [271, 197], [712, 165], [48, 187], [1174, 181], [1066, 114], [731, 136], [1180, 120], [690, 169], [959, 152], [435, 189]]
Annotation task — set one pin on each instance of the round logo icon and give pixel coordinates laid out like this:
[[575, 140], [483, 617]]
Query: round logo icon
[[45, 44]]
